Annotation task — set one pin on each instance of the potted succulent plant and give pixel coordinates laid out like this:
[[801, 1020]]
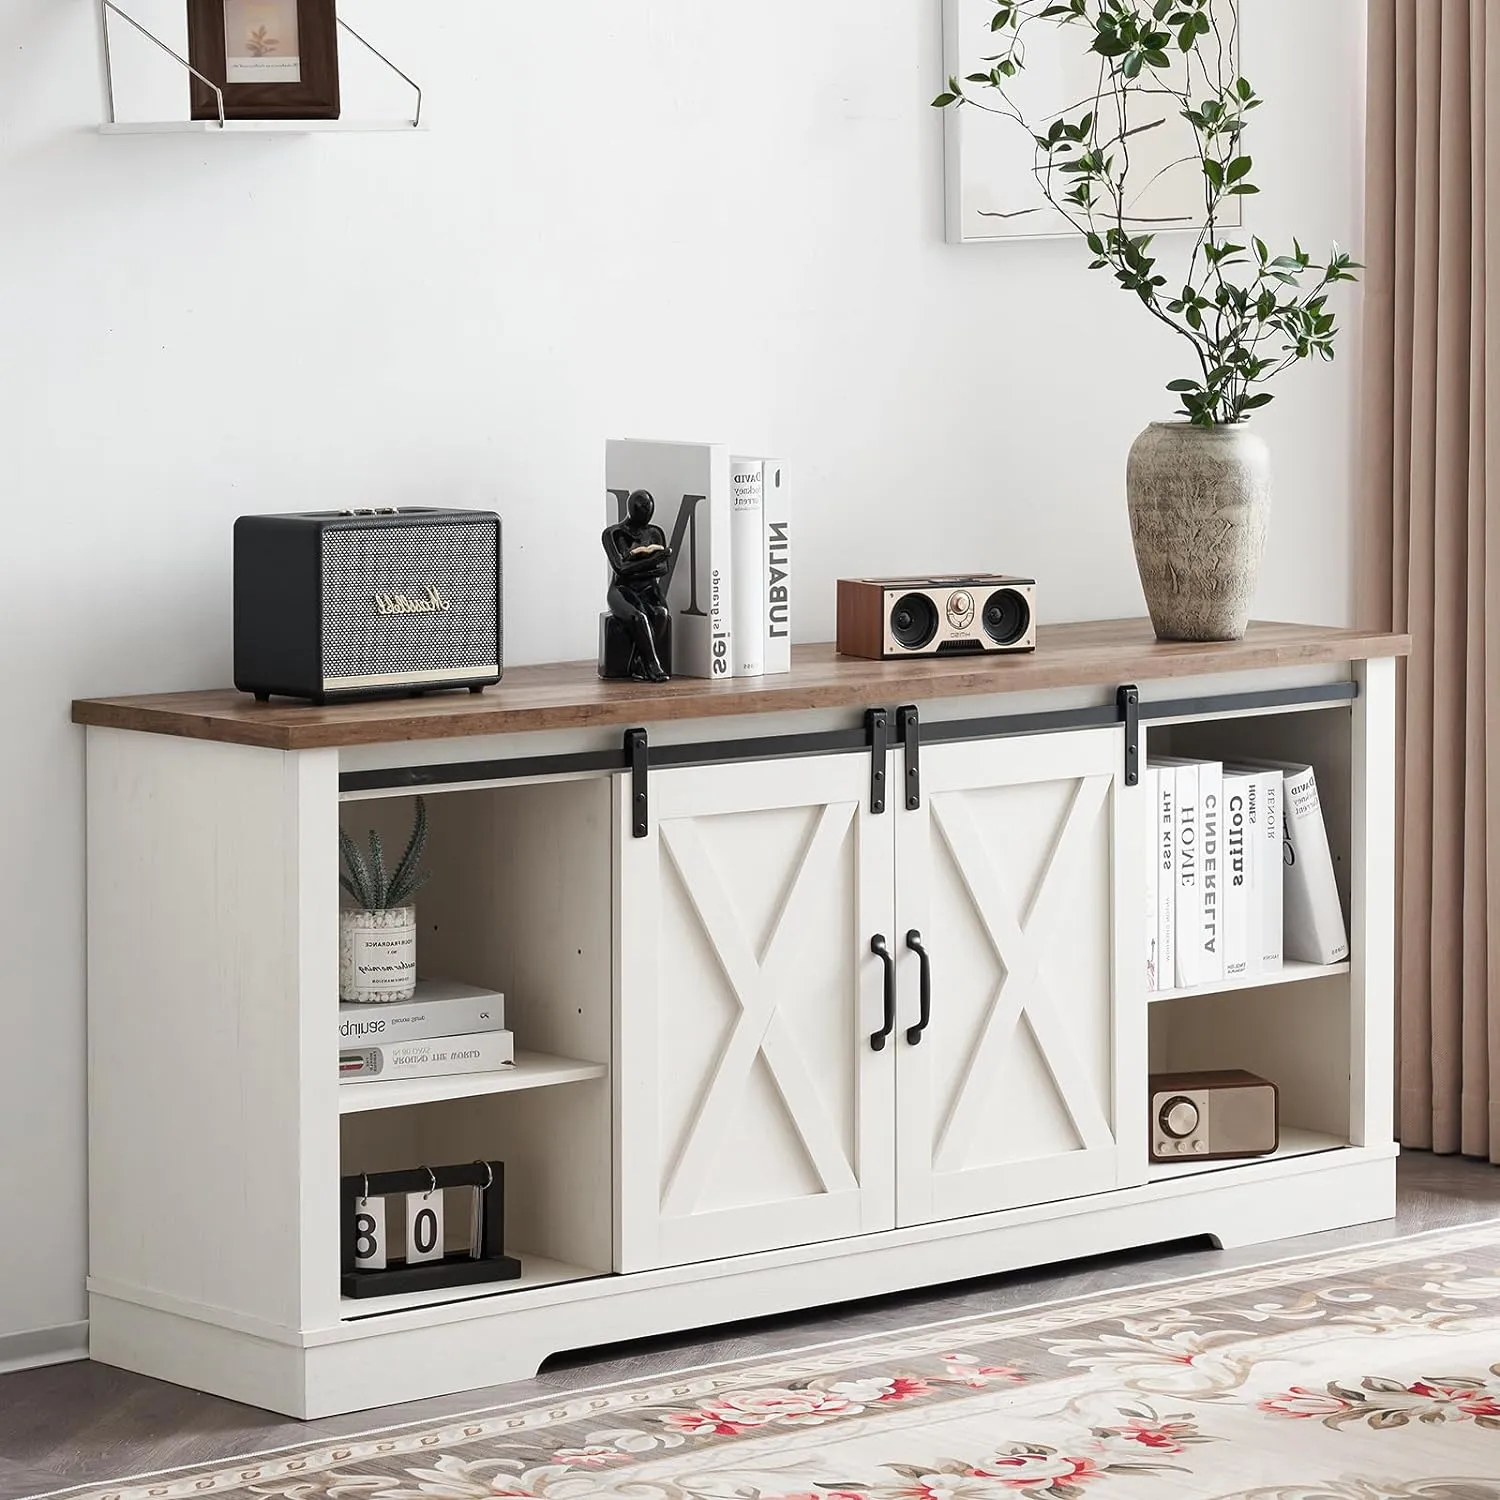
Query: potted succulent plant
[[1198, 488], [378, 935]]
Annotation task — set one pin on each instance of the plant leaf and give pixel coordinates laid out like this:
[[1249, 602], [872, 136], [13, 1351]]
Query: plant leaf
[[359, 876], [377, 872]]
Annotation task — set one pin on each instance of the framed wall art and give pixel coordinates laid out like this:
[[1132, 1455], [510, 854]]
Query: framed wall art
[[991, 193], [274, 59]]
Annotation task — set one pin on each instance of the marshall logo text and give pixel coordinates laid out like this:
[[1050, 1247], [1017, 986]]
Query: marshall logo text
[[430, 603]]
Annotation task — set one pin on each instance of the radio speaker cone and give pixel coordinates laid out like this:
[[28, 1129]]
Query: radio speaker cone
[[1007, 616], [914, 621]]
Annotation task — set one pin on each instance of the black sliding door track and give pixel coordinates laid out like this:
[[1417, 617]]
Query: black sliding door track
[[633, 750]]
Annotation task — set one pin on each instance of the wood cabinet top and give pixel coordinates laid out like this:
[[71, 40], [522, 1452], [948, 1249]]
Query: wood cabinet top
[[569, 695]]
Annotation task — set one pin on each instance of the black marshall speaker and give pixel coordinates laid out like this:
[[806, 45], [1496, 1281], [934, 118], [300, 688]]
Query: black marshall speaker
[[367, 603]]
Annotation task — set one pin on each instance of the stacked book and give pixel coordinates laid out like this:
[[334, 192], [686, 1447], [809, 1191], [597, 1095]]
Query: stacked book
[[728, 522], [1240, 875], [445, 1028]]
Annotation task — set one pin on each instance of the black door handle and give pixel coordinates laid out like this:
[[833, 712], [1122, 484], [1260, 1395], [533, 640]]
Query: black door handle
[[882, 951], [914, 942]]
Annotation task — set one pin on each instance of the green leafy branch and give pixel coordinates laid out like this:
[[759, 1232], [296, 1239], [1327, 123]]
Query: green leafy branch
[[365, 878], [1247, 313]]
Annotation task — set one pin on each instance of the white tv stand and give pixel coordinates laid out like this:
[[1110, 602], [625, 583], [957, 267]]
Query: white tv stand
[[700, 1128]]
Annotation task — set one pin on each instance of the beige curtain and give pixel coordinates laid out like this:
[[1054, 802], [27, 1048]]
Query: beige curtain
[[1430, 555]]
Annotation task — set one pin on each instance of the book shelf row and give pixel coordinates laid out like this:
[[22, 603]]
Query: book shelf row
[[1239, 881]]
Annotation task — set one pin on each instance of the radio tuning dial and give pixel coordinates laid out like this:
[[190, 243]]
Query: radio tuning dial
[[960, 609], [1179, 1117]]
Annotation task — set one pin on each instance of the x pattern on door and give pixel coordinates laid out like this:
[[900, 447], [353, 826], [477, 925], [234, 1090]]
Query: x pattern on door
[[761, 1027], [1023, 990]]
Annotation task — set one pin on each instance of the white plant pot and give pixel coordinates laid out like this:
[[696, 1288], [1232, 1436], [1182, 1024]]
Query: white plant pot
[[378, 955]]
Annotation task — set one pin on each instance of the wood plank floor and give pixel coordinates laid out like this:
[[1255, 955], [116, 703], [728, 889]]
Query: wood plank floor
[[86, 1424]]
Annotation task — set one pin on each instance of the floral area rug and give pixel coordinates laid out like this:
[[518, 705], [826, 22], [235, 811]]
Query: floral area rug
[[1371, 1374]]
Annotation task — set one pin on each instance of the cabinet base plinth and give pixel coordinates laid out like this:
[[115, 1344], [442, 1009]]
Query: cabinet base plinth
[[490, 1340]]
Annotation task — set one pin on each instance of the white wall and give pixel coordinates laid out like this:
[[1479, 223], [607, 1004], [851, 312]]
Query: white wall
[[644, 217]]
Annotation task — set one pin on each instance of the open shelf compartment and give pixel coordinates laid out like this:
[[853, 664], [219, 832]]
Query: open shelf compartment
[[1320, 737], [1292, 1026], [519, 901], [1296, 1035]]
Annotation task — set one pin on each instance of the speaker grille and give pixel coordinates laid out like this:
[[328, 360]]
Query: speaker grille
[[1242, 1119], [459, 561]]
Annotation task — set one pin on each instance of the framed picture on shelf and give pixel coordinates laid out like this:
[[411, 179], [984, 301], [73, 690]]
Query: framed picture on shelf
[[274, 59]]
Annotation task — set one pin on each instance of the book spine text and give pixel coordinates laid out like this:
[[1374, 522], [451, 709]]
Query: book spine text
[[746, 549], [778, 553]]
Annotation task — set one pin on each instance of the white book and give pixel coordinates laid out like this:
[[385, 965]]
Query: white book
[[1313, 928], [435, 1057], [1166, 875], [690, 483], [441, 1007], [1267, 865], [1272, 888], [778, 550], [1211, 871], [1151, 789], [747, 546], [1238, 878], [1189, 897]]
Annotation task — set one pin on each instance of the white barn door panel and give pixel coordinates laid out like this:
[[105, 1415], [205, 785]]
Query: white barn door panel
[[753, 1111], [1007, 872]]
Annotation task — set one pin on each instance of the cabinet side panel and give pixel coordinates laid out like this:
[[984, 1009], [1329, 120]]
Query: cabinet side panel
[[310, 918], [1372, 907], [195, 1027]]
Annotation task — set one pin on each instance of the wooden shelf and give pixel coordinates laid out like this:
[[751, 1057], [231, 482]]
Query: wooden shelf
[[1294, 1142], [536, 1271], [260, 127], [532, 1070], [1292, 972], [570, 695]]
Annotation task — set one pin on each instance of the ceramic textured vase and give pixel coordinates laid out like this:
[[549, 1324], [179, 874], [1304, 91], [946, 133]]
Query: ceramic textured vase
[[1200, 498], [378, 955]]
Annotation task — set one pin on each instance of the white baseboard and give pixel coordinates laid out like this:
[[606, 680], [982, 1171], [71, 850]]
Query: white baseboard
[[44, 1346]]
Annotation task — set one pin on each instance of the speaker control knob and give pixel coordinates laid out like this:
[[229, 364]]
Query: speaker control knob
[[1179, 1117], [1199, 1146]]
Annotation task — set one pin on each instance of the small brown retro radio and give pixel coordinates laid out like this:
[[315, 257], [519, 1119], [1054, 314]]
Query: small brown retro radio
[[1212, 1116], [951, 615]]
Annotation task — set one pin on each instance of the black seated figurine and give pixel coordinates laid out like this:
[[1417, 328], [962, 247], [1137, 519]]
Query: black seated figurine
[[635, 638]]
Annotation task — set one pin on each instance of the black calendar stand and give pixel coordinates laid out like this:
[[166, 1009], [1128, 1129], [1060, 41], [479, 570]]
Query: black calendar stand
[[491, 1263]]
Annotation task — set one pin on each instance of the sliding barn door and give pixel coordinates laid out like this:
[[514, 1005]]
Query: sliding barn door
[[1006, 876], [753, 1111]]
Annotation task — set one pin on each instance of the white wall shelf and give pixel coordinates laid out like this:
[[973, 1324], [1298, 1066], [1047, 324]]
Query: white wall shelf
[[1292, 972], [1294, 1142], [261, 127], [113, 125], [532, 1070]]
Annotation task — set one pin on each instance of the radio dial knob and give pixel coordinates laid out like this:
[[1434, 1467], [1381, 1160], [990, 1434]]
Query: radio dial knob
[[1179, 1117]]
